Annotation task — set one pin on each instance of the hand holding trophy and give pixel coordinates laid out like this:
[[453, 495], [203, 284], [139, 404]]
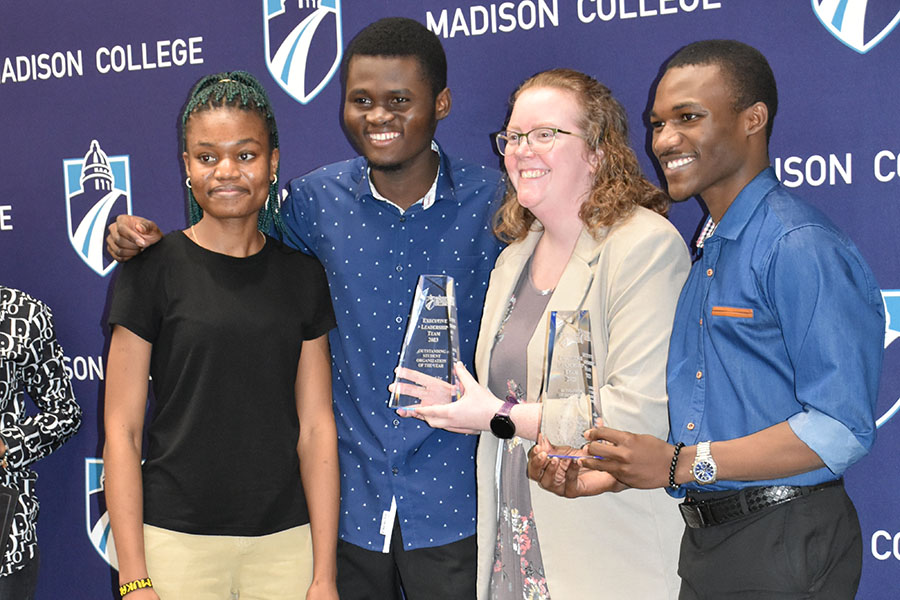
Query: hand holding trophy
[[431, 343]]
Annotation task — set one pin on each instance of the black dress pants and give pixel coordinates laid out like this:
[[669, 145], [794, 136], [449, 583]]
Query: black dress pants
[[808, 548], [439, 573]]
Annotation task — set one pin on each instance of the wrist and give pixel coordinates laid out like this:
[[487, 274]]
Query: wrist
[[324, 574], [134, 585], [683, 472], [673, 466], [704, 469], [491, 408], [500, 418], [126, 575]]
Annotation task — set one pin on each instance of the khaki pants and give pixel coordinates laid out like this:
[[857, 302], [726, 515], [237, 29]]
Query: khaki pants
[[217, 567]]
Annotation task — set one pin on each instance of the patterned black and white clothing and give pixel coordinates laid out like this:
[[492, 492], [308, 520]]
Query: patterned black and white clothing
[[31, 361]]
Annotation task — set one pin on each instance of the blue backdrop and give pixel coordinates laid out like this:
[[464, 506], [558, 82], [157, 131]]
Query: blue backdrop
[[82, 78]]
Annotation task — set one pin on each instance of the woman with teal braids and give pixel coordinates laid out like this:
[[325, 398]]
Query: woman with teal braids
[[238, 493]]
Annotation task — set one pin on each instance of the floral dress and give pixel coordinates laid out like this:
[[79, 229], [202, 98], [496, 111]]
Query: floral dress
[[518, 570]]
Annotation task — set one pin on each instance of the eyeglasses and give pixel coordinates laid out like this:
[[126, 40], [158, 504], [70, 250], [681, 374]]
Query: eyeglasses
[[540, 139]]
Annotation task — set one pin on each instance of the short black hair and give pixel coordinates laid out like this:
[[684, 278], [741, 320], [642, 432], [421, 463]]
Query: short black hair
[[745, 67], [401, 37]]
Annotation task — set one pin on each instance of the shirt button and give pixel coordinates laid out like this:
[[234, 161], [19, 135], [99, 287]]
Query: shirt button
[[690, 426], [395, 470], [709, 272], [399, 319], [699, 374], [396, 422], [398, 268]]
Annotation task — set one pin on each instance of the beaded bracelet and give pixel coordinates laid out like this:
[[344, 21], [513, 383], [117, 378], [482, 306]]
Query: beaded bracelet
[[672, 483], [137, 584]]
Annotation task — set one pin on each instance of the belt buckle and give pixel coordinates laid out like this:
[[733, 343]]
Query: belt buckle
[[697, 515], [704, 511]]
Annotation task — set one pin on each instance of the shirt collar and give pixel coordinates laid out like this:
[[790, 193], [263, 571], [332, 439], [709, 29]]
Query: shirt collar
[[709, 228], [430, 196], [742, 208]]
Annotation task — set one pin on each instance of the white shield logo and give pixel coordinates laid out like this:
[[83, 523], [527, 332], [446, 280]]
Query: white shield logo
[[98, 187], [95, 514], [846, 20], [891, 300], [303, 44]]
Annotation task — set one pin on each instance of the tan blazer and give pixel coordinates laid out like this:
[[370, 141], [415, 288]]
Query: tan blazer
[[625, 545]]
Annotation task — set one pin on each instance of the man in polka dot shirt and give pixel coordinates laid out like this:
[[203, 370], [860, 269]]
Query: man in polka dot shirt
[[377, 222]]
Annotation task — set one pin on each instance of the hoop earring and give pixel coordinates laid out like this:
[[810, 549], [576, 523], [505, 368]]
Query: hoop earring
[[275, 181], [187, 182]]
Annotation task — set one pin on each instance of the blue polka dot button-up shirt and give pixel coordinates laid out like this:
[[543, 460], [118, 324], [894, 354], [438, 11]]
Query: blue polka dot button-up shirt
[[373, 254]]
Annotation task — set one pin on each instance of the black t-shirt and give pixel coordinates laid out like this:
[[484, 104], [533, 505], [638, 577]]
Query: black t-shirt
[[226, 334]]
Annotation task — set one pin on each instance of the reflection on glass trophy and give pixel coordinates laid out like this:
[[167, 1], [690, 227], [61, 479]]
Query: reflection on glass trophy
[[569, 408], [431, 344]]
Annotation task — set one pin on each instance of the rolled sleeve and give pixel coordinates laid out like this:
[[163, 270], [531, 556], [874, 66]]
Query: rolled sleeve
[[835, 444]]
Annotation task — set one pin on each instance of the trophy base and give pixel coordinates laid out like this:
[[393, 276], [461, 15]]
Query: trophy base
[[564, 420]]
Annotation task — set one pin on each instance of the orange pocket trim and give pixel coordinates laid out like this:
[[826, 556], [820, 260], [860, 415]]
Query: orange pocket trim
[[730, 311]]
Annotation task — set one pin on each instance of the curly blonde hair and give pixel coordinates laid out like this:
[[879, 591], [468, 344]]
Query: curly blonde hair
[[618, 185]]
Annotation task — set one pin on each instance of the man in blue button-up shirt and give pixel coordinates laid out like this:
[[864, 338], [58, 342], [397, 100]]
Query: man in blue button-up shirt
[[774, 359]]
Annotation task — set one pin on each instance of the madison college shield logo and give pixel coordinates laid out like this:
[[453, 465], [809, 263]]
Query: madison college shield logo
[[860, 24], [303, 44], [96, 517], [98, 188], [890, 374]]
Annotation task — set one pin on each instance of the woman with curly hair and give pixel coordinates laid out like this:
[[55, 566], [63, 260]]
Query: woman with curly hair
[[586, 231]]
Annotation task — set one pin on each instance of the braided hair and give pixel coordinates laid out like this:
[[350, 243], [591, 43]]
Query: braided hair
[[235, 89]]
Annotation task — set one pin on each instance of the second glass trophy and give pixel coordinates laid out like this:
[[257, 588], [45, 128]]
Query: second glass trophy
[[568, 400], [431, 343]]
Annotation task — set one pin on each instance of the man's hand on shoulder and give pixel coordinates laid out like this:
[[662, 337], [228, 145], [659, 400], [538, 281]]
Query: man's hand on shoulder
[[129, 235]]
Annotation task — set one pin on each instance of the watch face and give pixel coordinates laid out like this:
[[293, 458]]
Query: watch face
[[503, 427], [704, 471]]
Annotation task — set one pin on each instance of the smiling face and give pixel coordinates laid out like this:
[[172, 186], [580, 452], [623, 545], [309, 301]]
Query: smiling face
[[390, 111], [560, 178], [229, 162], [701, 141]]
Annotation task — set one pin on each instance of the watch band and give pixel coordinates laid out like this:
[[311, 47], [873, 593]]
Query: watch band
[[704, 468], [702, 451], [502, 425], [506, 408]]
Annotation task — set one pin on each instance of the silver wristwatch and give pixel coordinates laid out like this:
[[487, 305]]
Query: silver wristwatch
[[704, 468]]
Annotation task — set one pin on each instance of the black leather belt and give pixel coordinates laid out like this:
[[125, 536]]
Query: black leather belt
[[699, 513]]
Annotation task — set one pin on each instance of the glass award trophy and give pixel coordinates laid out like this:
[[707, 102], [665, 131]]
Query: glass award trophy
[[431, 343], [569, 408]]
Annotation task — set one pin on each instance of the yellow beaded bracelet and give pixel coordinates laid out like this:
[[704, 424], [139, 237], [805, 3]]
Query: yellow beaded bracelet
[[137, 584]]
